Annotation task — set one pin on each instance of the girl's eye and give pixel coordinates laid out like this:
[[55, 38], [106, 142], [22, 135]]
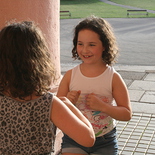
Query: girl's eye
[[79, 43], [92, 45]]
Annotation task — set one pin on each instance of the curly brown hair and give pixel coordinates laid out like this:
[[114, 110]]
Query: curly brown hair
[[25, 62], [105, 31]]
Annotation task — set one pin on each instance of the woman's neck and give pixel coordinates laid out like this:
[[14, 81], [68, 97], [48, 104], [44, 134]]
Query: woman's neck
[[27, 98]]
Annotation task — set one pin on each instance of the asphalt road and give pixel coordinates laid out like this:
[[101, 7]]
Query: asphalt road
[[135, 37]]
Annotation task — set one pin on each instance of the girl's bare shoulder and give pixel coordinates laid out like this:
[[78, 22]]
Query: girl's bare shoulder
[[67, 75]]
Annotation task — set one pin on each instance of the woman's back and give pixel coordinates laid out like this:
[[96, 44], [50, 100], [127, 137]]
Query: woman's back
[[26, 127]]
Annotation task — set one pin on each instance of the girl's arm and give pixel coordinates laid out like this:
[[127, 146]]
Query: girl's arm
[[120, 93], [63, 89], [72, 122], [64, 84], [123, 110]]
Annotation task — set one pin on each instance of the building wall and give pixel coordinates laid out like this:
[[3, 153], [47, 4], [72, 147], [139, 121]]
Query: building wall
[[46, 14], [43, 12]]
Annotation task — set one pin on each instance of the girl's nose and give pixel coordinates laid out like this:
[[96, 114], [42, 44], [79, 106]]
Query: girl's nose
[[85, 49]]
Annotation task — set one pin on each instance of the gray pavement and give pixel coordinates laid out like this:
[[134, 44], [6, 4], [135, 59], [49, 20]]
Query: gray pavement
[[137, 136], [135, 37], [137, 67]]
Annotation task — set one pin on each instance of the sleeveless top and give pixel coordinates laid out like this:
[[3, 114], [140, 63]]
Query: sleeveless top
[[102, 87], [25, 127]]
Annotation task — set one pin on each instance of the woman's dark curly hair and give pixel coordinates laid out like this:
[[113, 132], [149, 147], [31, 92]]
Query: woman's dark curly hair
[[104, 30], [25, 62]]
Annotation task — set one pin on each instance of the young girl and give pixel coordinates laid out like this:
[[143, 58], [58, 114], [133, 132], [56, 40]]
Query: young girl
[[28, 111], [93, 85]]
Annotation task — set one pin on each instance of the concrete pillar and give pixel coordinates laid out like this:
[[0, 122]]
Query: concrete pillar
[[46, 14], [43, 12]]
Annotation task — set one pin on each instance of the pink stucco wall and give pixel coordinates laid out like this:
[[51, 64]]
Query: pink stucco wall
[[46, 14], [43, 12]]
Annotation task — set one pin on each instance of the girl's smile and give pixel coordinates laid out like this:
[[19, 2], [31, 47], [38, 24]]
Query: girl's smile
[[87, 56]]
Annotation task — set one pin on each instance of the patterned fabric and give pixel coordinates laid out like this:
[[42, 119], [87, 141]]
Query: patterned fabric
[[102, 87], [101, 122], [25, 127]]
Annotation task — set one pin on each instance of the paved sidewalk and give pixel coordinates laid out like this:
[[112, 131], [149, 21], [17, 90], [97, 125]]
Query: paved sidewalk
[[140, 81], [137, 137]]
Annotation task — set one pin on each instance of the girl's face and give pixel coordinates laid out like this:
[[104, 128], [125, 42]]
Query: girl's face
[[89, 46]]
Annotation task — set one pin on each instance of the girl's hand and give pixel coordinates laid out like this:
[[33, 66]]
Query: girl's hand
[[94, 102], [73, 96]]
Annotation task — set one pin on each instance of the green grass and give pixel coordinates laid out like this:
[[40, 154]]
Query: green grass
[[84, 8], [144, 4]]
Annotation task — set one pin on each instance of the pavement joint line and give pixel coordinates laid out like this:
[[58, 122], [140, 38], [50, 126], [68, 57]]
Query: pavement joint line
[[145, 75], [150, 71], [142, 97]]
